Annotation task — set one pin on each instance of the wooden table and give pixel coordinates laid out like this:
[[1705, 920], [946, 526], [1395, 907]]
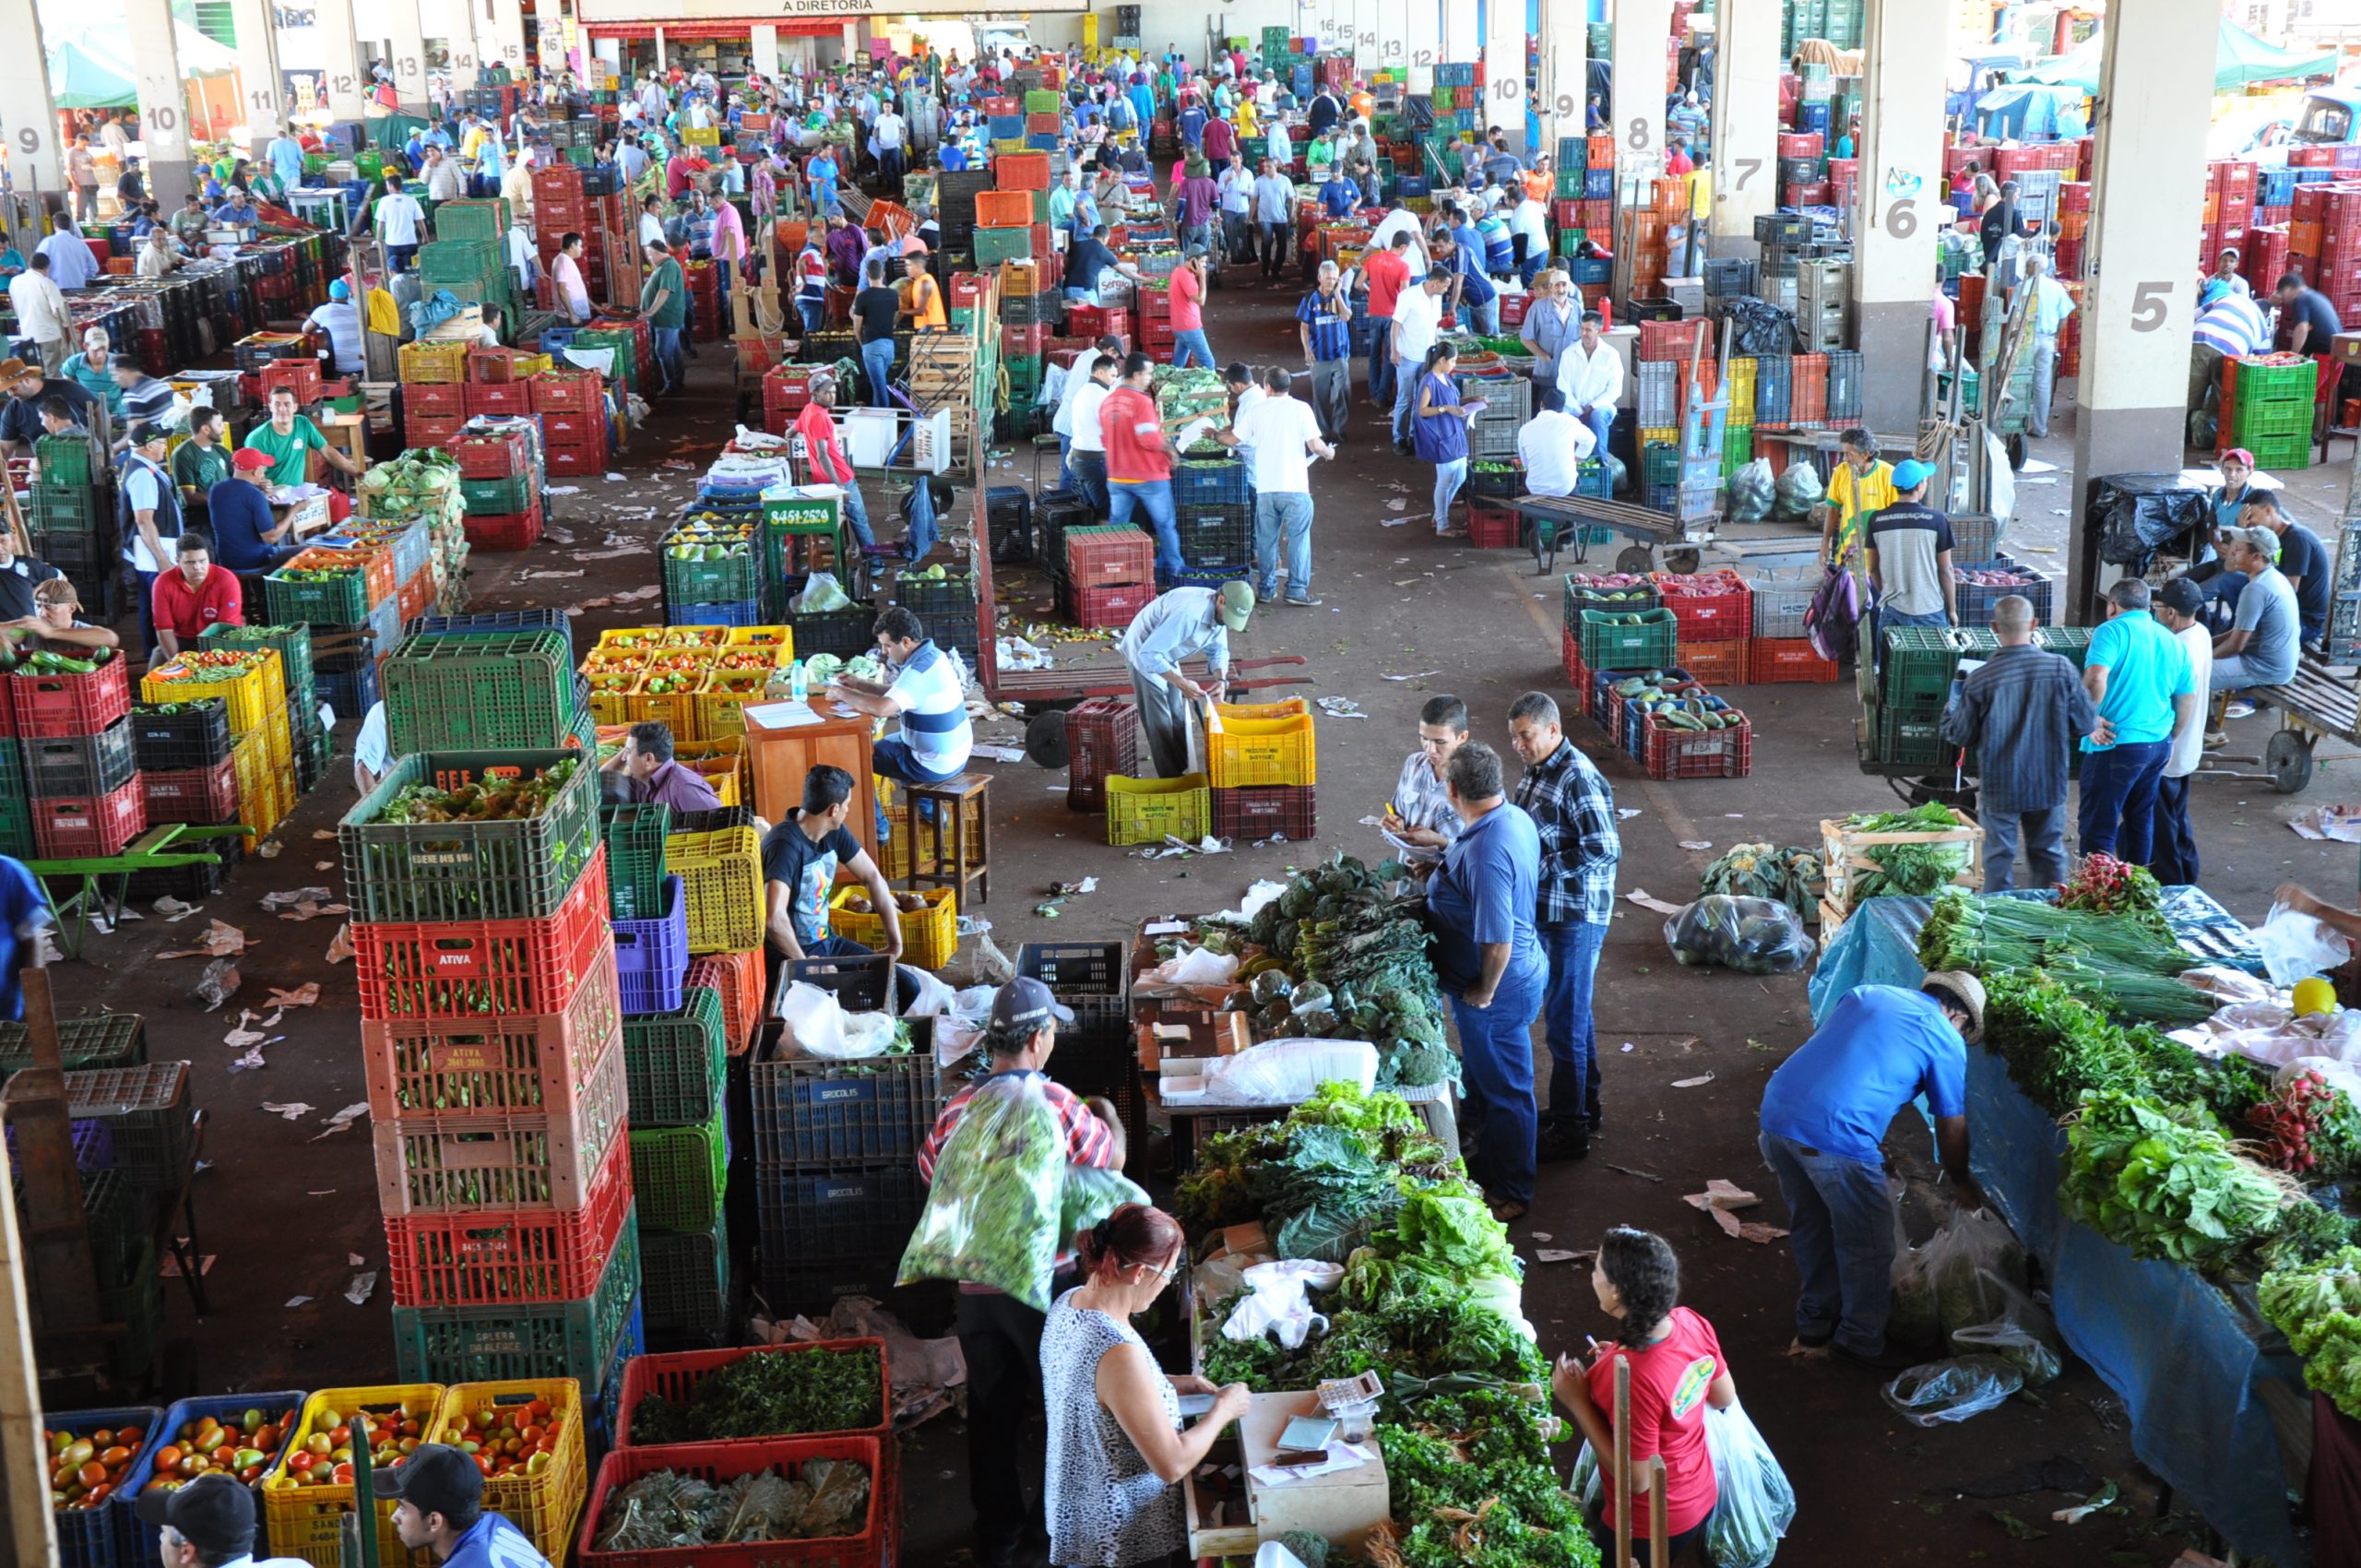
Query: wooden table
[[785, 741]]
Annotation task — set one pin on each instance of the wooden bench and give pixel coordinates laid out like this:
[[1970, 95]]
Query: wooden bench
[[2317, 703]]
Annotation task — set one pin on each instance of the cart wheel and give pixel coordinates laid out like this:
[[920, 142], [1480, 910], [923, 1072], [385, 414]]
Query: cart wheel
[[1045, 739], [1636, 559], [2288, 757], [2017, 452], [1682, 561]]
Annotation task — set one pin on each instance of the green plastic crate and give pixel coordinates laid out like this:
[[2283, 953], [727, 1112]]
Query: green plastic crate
[[341, 599], [727, 579], [625, 346], [475, 221], [1644, 639], [996, 245], [497, 1344], [294, 643], [76, 509], [481, 692], [675, 1064], [2260, 382], [634, 835], [64, 459], [515, 869], [457, 261], [678, 1174], [92, 1044], [685, 1282], [496, 497]]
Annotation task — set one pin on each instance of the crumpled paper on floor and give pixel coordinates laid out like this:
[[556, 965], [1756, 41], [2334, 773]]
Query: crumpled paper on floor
[[351, 1113], [221, 940], [2341, 824], [303, 995], [1722, 1199]]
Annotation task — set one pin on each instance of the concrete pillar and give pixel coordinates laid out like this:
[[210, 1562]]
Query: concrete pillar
[[852, 40], [27, 114], [1394, 32], [1901, 207], [258, 74], [1565, 70], [339, 51], [1504, 84], [1641, 29], [503, 40], [1462, 39], [163, 95], [763, 46], [1746, 121], [1369, 51], [659, 52], [2147, 199], [406, 34]]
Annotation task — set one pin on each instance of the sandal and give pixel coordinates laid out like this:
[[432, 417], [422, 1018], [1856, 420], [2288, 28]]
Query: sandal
[[1508, 1210]]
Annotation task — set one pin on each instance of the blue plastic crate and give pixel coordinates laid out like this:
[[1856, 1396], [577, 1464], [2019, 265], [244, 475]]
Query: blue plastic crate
[[737, 613], [1599, 184], [1217, 483], [1590, 269], [555, 338], [1811, 117], [1043, 141], [98, 1538], [224, 1407], [605, 1403], [1006, 127], [350, 692]]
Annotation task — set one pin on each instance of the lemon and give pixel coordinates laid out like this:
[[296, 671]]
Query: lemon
[[2314, 995]]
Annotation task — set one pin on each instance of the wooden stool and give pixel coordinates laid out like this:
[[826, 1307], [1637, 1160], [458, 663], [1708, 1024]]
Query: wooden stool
[[950, 798]]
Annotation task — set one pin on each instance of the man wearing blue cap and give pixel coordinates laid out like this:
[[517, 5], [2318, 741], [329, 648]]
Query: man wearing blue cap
[[339, 321], [1910, 556]]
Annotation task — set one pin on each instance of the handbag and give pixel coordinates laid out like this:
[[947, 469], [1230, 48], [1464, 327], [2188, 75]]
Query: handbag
[[1833, 621]]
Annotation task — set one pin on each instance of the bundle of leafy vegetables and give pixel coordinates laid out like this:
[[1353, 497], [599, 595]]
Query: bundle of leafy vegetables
[[508, 799], [1252, 1173], [2318, 1307], [2059, 1048], [1792, 877], [2166, 1183], [770, 1394], [1914, 870], [1473, 1486], [1346, 930], [1454, 1235], [1416, 1325], [2115, 961]]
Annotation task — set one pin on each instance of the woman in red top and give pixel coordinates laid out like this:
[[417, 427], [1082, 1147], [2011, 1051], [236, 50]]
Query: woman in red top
[[1677, 1371]]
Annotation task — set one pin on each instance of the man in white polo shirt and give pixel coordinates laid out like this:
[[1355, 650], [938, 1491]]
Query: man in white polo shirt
[[1553, 445]]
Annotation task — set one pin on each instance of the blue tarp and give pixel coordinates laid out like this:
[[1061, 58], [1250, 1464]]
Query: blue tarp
[[2186, 1356]]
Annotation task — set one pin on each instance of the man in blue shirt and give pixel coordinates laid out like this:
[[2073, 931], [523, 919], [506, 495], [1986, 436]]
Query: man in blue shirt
[[285, 155], [2139, 676], [246, 533], [1339, 197], [439, 1505], [1824, 1113], [24, 909], [1480, 904]]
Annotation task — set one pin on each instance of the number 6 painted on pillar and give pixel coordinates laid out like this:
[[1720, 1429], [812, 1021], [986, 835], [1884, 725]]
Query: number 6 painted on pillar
[[1902, 217], [2150, 302]]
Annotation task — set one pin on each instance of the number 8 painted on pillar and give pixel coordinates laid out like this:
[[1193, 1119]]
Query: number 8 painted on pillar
[[1638, 135]]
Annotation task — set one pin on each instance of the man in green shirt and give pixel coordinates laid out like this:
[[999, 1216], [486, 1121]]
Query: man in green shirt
[[199, 463], [664, 300], [290, 438]]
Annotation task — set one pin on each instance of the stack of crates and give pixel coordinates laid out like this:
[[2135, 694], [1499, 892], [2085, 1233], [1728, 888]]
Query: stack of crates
[[1508, 405], [1737, 435], [1823, 296], [1263, 767], [946, 606], [481, 691], [1214, 521], [186, 774], [417, 585], [79, 797], [73, 522], [254, 692], [470, 254], [308, 737], [2231, 188], [1714, 617], [711, 561], [2267, 408], [352, 604], [571, 406], [1101, 1054], [1782, 649], [501, 481], [1106, 576], [804, 532], [434, 393], [491, 1038]]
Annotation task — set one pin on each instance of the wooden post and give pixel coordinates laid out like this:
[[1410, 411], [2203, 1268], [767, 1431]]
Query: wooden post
[[1623, 1462], [64, 1282], [1659, 1545], [28, 1524]]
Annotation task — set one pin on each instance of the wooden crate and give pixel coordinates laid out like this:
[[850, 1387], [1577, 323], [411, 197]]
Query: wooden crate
[[1844, 858]]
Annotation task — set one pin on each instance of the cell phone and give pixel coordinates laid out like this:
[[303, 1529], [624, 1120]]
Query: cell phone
[[1196, 1404]]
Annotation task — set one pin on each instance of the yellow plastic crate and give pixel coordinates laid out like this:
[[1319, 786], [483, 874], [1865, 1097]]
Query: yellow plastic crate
[[250, 697], [439, 363], [281, 744], [1247, 752], [306, 1522], [779, 637], [721, 760], [722, 875], [1667, 437], [701, 136], [929, 940], [1145, 811], [546, 1506], [1292, 708], [721, 701], [894, 855]]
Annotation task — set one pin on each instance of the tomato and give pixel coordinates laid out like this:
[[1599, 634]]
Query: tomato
[[91, 1474], [168, 1457], [344, 1475]]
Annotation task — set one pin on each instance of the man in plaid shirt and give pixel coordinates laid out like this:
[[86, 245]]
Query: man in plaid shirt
[[999, 1336], [1573, 808]]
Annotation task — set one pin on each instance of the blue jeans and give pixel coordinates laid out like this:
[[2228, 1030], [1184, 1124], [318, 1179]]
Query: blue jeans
[[1839, 1222], [814, 313], [1155, 498], [1090, 481], [667, 342], [2118, 803], [856, 514], [1283, 521], [1406, 394], [1486, 315], [1496, 1066], [877, 358], [1572, 947], [1380, 360], [1082, 296], [2044, 835], [1449, 477], [2175, 859], [1065, 462], [1601, 420], [1191, 345]]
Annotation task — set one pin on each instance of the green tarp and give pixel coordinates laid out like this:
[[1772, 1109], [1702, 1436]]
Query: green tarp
[[2240, 58]]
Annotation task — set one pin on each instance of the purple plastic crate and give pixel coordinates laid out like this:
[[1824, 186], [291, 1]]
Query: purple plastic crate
[[93, 1146], [652, 957]]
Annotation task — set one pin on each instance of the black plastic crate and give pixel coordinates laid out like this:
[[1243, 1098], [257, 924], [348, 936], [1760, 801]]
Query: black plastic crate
[[861, 982], [1216, 534], [818, 1224], [188, 883], [841, 632], [79, 765], [812, 1283], [1092, 978], [957, 630], [811, 1114], [937, 596], [180, 736], [684, 1287]]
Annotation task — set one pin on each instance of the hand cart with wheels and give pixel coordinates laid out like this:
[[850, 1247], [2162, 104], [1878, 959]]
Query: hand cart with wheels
[[2318, 704], [1660, 540]]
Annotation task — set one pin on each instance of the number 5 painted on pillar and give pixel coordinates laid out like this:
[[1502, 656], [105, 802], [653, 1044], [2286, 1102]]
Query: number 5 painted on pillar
[[2150, 302]]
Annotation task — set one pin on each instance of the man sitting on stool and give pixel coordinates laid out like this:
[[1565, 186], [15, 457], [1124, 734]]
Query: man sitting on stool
[[929, 693], [644, 770]]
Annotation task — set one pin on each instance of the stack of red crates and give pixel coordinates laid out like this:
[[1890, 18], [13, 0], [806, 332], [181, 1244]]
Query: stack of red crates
[[1156, 321], [2324, 243], [704, 300], [786, 389], [302, 376], [1808, 392], [572, 409], [2263, 260], [2229, 207], [1714, 612], [506, 454], [1094, 322], [1102, 738], [1110, 576], [74, 733]]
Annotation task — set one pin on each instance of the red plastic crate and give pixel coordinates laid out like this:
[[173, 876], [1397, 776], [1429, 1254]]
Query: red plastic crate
[[461, 1164], [455, 970], [576, 459], [1022, 172], [50, 706], [1110, 609], [675, 1377], [502, 398], [205, 796], [1697, 754], [513, 1256], [1672, 339], [1156, 305], [1102, 738], [86, 826], [1611, 711], [412, 599], [490, 456], [435, 399], [421, 430], [1492, 527], [569, 428], [875, 1542], [1778, 661], [1025, 341], [505, 531], [1570, 658], [303, 376], [737, 979], [1707, 606], [1109, 560], [1715, 664], [527, 1063], [1291, 811], [566, 391]]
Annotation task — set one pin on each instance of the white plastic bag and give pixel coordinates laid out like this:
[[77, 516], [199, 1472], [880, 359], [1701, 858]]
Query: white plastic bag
[[1756, 1504], [1288, 1072], [1277, 1305], [933, 996], [2296, 945], [821, 593], [1972, 1271], [818, 1026], [1952, 1390]]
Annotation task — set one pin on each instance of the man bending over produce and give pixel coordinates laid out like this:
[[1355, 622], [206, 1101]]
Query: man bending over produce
[[1825, 1112], [1000, 1337], [800, 862]]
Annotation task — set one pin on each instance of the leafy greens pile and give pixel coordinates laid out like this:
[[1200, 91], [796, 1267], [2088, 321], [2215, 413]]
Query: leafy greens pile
[[1368, 945], [1914, 870], [2318, 1307], [1473, 1487], [668, 1509], [1792, 877], [769, 1393], [2166, 1183], [2116, 960]]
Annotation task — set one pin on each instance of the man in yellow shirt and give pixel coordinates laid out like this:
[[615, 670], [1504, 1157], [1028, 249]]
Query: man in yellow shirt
[[1250, 123], [1859, 489]]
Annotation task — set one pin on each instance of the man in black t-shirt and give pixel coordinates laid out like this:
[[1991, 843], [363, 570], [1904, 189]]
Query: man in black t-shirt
[[18, 575], [799, 860], [875, 310], [2310, 321], [20, 423], [2303, 561]]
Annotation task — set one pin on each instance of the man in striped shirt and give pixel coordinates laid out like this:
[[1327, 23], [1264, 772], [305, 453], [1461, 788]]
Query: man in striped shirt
[[2228, 328], [1000, 1337], [930, 694]]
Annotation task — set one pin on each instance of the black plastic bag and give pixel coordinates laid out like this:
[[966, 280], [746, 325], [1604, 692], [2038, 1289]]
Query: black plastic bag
[[1760, 329], [2135, 513], [1754, 937]]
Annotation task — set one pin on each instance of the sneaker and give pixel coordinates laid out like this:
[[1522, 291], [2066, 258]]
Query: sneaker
[[1306, 603], [2216, 740], [2239, 708]]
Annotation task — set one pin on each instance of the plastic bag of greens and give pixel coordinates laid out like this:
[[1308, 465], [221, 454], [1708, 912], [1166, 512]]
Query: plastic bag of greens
[[2018, 1342], [1756, 1504], [1754, 937], [1976, 1270], [1753, 491], [1798, 491], [1952, 1390], [993, 1214], [1091, 1195]]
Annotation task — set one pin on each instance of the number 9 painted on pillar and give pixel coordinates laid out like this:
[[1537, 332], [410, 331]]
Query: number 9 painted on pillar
[[30, 139]]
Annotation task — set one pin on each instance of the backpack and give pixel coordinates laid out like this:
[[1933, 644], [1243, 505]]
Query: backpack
[[1833, 621]]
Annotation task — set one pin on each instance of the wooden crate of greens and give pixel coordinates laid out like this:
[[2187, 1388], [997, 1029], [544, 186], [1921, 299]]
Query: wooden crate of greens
[[1847, 858]]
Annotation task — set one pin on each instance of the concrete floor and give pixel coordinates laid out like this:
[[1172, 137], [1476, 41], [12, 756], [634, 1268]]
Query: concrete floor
[[281, 1211]]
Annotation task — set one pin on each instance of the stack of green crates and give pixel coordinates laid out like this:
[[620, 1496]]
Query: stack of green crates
[[496, 690], [2271, 413], [467, 259], [676, 1073], [1914, 680], [68, 497], [622, 343]]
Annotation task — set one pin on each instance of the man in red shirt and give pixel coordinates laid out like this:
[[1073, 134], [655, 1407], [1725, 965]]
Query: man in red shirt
[[1188, 289], [199, 595], [1389, 273], [1139, 464], [824, 456]]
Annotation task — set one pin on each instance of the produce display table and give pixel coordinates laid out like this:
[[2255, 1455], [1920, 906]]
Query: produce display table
[[2200, 1374]]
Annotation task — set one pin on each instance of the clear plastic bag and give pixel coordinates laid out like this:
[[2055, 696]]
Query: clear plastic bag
[[2296, 945], [1954, 1390], [1751, 491], [1092, 1195], [2020, 1342], [994, 1213], [1970, 1272], [1756, 1504], [1797, 492], [1754, 937]]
